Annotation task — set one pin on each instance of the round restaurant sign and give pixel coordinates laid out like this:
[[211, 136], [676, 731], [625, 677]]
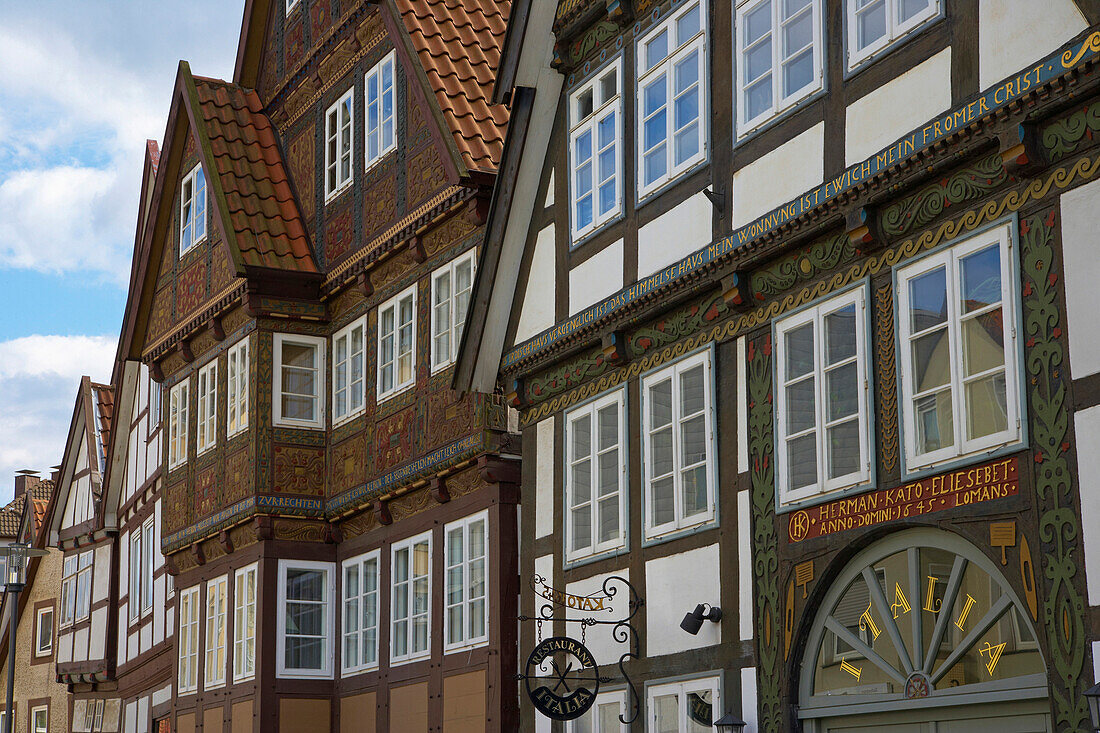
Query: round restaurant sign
[[562, 678]]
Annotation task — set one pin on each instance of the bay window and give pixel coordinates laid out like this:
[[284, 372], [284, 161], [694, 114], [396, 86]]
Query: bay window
[[595, 150], [595, 477], [410, 609], [465, 615], [305, 618]]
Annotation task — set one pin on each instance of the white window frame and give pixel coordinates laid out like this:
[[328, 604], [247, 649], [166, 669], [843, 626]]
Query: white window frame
[[780, 103], [318, 345], [335, 125], [343, 399], [455, 321], [615, 697], [45, 726], [39, 624], [465, 602], [327, 602], [85, 566], [134, 592], [68, 589], [179, 423], [697, 43], [601, 109], [150, 545], [245, 590], [673, 371], [359, 563], [409, 544], [188, 674], [949, 258], [188, 209], [895, 30], [236, 383], [155, 399], [290, 5], [217, 603], [206, 423], [683, 689], [815, 315], [389, 61], [592, 409], [393, 304]]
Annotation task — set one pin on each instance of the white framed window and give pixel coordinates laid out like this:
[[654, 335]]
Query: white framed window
[[306, 590], [465, 618], [207, 407], [338, 144], [189, 640], [68, 589], [192, 209], [84, 585], [595, 476], [179, 408], [379, 98], [360, 612], [150, 546], [299, 381], [595, 150], [873, 25], [410, 610], [451, 287], [154, 404], [603, 716], [684, 707], [216, 599], [236, 403], [349, 364], [959, 350], [134, 602], [43, 632], [672, 85], [822, 400], [678, 435], [779, 57], [40, 719], [397, 343], [244, 623]]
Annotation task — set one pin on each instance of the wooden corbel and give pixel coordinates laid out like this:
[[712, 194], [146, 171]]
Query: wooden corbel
[[613, 344], [477, 210], [264, 528], [170, 566], [735, 289], [861, 224], [557, 61], [226, 541], [198, 554], [216, 328], [364, 284], [1019, 148], [381, 510], [438, 490], [185, 351], [619, 11], [416, 248], [332, 534], [156, 372], [495, 471], [514, 394]]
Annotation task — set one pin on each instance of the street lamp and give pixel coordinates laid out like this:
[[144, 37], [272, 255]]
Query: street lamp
[[16, 554], [729, 724], [1092, 697]]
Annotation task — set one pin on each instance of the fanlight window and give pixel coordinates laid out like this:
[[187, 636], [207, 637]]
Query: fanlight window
[[917, 616]]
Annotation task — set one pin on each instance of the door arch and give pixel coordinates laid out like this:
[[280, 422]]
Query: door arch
[[921, 627]]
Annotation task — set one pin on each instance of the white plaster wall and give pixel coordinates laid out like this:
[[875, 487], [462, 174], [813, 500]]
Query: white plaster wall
[[1011, 34], [101, 575], [742, 408], [782, 174], [134, 645], [158, 603], [1080, 249], [596, 278], [675, 234], [146, 637], [749, 700], [64, 648], [599, 640], [674, 584], [897, 107], [162, 695], [544, 477], [1087, 427], [123, 651], [544, 566], [131, 717], [98, 641], [537, 309], [143, 715], [80, 645], [744, 566], [550, 190]]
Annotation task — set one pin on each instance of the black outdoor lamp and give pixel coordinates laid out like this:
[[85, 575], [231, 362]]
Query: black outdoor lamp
[[17, 554], [729, 724], [693, 620], [1092, 697]]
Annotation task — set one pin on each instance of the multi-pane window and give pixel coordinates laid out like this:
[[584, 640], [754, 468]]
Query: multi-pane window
[[349, 360], [603, 716], [207, 407], [43, 632], [410, 610], [595, 149], [68, 589], [595, 477], [360, 612], [451, 286], [957, 331], [135, 574], [244, 623], [465, 622], [150, 546], [380, 100], [779, 57], [236, 403], [822, 399], [300, 375], [84, 585], [684, 707], [305, 618], [214, 668], [192, 209], [397, 343], [678, 437], [154, 404], [189, 640], [671, 97], [93, 716], [179, 409], [875, 24], [40, 719], [338, 144]]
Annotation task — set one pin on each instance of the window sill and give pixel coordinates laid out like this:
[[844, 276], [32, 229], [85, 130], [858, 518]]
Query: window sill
[[369, 164], [302, 674], [345, 419], [246, 678], [334, 196], [710, 522], [425, 656], [300, 425], [235, 433], [824, 497], [355, 671], [644, 197], [194, 245], [853, 69], [966, 459], [467, 646], [576, 241], [395, 392], [582, 560], [201, 451]]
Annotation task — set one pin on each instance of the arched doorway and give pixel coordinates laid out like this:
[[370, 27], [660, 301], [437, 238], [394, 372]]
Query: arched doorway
[[920, 633]]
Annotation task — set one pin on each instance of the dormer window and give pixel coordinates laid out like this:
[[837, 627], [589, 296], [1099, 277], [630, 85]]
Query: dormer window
[[192, 209], [380, 120]]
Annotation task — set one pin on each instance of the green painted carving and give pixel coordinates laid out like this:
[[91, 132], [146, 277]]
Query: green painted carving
[[1063, 613], [566, 376], [922, 207], [786, 272], [600, 35], [678, 325], [1062, 137], [765, 540]]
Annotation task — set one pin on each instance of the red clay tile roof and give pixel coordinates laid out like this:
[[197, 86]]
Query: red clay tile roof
[[261, 207], [459, 42], [105, 404], [11, 516], [153, 150]]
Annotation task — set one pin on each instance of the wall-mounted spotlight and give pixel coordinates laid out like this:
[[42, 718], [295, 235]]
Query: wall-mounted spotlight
[[693, 621]]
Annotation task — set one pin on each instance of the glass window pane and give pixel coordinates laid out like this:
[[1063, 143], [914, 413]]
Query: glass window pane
[[802, 461], [758, 100], [687, 25], [799, 351], [692, 391], [656, 49], [840, 334], [660, 404], [582, 436], [666, 713], [664, 502], [928, 299], [758, 22], [984, 342], [981, 278], [582, 527], [801, 406], [935, 422], [909, 8], [758, 61], [700, 712], [871, 23], [843, 443], [986, 406], [843, 391], [798, 73], [662, 455]]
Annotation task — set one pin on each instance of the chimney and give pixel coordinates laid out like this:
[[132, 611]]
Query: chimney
[[25, 480], [55, 473]]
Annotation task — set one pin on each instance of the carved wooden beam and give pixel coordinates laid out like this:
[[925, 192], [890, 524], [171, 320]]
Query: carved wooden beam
[[613, 344], [332, 534], [364, 284], [156, 372], [416, 247], [381, 510], [438, 490], [1020, 151], [735, 289], [493, 470], [477, 210], [226, 541], [217, 329], [264, 528], [185, 351], [198, 554], [862, 226], [514, 393]]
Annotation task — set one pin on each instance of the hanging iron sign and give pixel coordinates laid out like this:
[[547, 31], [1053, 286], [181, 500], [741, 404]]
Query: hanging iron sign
[[562, 678]]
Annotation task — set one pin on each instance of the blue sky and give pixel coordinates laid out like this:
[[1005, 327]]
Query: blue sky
[[83, 84]]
